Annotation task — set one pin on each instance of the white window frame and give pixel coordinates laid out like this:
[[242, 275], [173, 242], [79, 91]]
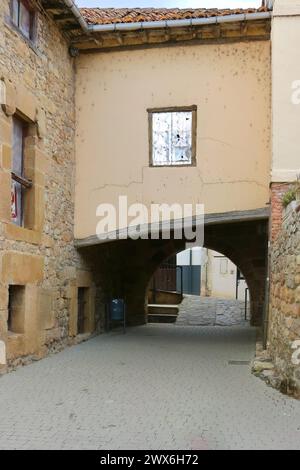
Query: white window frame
[[178, 109]]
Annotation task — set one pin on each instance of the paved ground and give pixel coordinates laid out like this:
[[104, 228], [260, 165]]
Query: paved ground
[[157, 387], [205, 311]]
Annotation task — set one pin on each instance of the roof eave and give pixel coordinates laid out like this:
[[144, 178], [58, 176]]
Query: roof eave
[[146, 25]]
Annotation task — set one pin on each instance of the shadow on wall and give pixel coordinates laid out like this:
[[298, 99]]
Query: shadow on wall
[[124, 268]]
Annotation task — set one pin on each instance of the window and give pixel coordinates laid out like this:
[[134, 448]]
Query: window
[[16, 309], [23, 17], [172, 136], [19, 182]]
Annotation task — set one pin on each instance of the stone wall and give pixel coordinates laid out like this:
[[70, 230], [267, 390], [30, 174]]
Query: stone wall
[[284, 315], [211, 311], [37, 83]]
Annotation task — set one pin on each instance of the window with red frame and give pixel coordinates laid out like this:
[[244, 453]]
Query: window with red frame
[[23, 17]]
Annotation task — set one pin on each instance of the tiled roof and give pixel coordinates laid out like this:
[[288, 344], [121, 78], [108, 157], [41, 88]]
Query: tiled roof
[[131, 15]]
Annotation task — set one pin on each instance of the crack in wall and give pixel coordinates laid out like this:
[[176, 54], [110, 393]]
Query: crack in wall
[[203, 182]]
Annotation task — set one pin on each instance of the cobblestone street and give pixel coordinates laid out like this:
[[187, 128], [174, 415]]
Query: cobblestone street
[[156, 387]]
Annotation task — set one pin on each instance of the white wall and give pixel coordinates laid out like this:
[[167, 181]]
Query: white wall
[[286, 90], [223, 278], [215, 280]]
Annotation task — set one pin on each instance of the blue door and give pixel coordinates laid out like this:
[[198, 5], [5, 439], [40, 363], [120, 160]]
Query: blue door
[[191, 278]]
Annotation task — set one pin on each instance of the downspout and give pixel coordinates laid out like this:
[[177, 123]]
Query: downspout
[[76, 12], [177, 23], [267, 298]]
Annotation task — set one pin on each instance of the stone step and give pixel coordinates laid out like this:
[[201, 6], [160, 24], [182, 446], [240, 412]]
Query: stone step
[[163, 309], [160, 313]]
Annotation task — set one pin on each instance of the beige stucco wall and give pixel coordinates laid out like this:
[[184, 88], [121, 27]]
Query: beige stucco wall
[[230, 84], [285, 74]]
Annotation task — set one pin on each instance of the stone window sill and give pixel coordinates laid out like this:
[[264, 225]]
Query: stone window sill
[[14, 336], [16, 233]]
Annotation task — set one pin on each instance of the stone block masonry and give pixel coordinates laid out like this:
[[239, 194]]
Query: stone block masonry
[[37, 86], [284, 315]]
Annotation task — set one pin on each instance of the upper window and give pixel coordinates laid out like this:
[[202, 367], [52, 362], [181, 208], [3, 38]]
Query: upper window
[[19, 182], [172, 136], [23, 17]]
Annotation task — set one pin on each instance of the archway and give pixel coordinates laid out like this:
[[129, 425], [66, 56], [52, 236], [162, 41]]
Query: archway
[[198, 286], [124, 268]]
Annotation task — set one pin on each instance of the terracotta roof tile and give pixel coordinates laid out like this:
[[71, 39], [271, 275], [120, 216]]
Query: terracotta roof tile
[[132, 15]]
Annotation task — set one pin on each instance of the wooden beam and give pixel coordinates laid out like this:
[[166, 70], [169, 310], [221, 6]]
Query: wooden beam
[[52, 5], [190, 35], [87, 46], [63, 17], [71, 27]]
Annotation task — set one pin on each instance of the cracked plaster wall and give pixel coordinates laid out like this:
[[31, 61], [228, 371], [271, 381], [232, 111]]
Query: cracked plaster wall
[[229, 83]]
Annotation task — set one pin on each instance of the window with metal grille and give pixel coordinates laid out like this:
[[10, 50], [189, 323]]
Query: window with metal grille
[[172, 136], [19, 182], [23, 16]]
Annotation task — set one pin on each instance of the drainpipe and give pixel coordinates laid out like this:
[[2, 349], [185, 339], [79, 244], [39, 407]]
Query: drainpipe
[[176, 23], [162, 24], [267, 298], [76, 12]]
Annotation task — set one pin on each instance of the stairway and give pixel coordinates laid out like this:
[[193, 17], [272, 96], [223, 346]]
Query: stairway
[[162, 313]]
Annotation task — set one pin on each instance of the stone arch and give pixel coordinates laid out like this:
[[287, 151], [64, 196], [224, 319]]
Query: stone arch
[[124, 267]]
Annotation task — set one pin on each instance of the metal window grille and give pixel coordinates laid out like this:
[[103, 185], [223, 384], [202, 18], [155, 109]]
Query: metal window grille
[[172, 138]]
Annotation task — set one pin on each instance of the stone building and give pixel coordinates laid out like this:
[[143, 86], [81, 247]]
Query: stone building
[[82, 94], [39, 266]]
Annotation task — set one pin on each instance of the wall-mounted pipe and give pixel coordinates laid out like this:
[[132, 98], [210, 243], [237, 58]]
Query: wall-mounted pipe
[[76, 12], [143, 25], [178, 23]]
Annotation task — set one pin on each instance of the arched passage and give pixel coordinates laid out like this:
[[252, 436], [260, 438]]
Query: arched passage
[[124, 268], [200, 272]]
